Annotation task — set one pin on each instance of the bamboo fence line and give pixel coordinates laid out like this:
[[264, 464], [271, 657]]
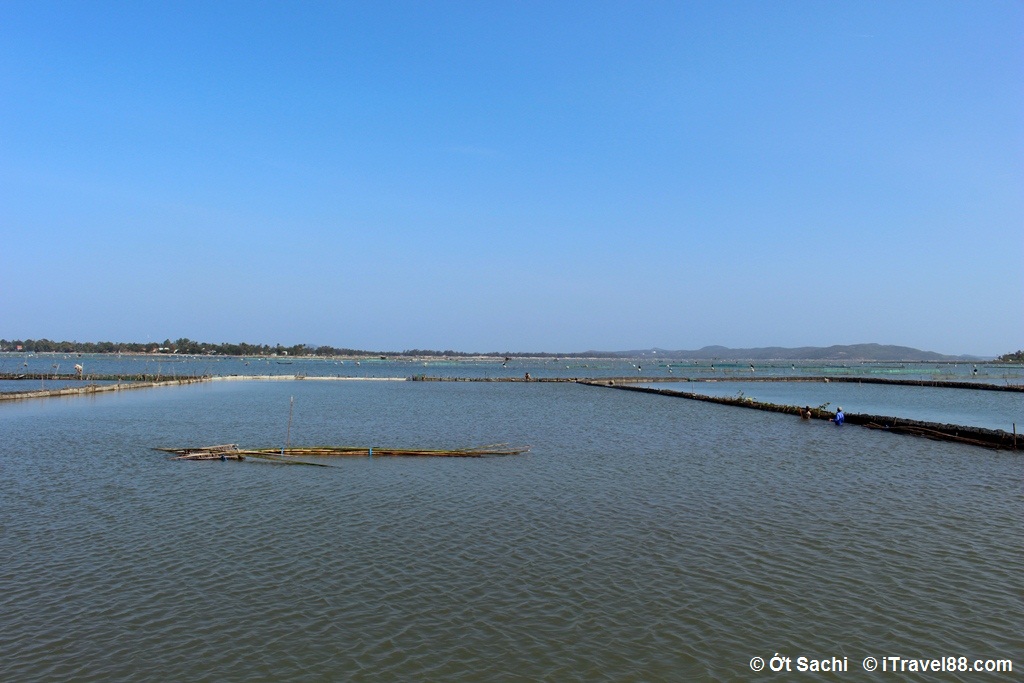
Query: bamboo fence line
[[96, 388], [973, 436]]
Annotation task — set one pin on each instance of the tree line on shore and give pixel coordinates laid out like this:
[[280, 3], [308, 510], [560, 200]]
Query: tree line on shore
[[193, 348], [189, 347]]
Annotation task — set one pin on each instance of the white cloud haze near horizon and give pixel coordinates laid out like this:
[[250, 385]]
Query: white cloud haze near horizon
[[514, 176]]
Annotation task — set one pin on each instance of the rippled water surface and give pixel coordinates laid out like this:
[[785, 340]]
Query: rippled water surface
[[644, 538], [651, 366]]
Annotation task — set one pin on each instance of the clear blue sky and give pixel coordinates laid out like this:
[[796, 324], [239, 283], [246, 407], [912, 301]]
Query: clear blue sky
[[491, 176]]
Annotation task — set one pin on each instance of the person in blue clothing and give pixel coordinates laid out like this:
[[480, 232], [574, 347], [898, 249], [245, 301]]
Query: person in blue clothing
[[840, 417]]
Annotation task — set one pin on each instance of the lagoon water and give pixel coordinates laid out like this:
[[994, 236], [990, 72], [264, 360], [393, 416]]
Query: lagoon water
[[174, 365], [643, 538]]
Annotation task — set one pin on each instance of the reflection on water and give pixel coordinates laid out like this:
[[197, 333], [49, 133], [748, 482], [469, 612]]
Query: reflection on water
[[643, 538]]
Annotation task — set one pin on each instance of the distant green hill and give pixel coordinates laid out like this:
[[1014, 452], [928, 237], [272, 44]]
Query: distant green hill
[[850, 352]]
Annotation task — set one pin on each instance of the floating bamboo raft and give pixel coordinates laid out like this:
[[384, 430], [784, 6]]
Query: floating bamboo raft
[[232, 451]]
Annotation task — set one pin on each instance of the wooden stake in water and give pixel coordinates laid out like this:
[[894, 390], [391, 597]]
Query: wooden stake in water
[[288, 436]]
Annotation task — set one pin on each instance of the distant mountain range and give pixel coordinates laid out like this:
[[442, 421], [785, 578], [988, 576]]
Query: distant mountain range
[[850, 352]]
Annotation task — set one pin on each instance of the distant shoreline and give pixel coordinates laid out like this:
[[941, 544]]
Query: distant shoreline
[[852, 353], [498, 358]]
